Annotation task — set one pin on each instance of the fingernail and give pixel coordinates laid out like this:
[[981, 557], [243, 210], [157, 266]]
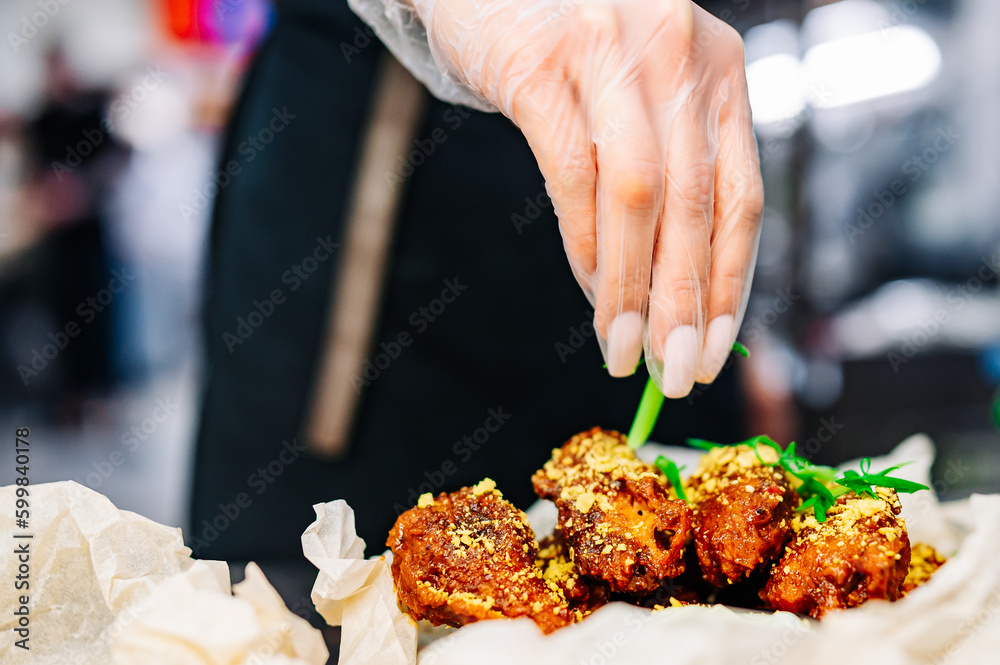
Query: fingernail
[[680, 358], [718, 344], [624, 344]]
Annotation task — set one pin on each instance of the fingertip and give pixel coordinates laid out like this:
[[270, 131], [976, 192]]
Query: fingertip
[[718, 343], [624, 344], [680, 360]]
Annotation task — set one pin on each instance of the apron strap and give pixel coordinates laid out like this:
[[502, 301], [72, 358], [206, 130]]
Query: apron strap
[[356, 291]]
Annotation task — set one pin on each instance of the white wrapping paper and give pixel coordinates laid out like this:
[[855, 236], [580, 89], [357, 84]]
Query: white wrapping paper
[[89, 564], [955, 618], [355, 592], [194, 618], [107, 585]]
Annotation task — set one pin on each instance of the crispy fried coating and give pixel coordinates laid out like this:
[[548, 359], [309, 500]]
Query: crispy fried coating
[[924, 562], [555, 561], [615, 512], [470, 555], [742, 512], [860, 552]]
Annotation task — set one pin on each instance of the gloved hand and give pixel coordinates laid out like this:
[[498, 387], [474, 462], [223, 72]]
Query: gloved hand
[[638, 114]]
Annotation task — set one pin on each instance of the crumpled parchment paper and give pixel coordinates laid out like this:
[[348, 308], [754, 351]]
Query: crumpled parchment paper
[[104, 580], [89, 563], [355, 592], [955, 618], [194, 618]]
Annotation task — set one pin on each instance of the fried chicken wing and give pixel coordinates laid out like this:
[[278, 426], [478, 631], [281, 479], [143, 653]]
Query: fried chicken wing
[[615, 512], [470, 555], [742, 512], [860, 552]]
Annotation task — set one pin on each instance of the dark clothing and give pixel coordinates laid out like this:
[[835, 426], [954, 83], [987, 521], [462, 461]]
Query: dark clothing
[[513, 352], [50, 291]]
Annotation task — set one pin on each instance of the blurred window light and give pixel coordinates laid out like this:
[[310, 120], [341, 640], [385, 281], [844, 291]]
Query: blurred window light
[[774, 76], [914, 315], [844, 18], [775, 88], [854, 52], [868, 66]]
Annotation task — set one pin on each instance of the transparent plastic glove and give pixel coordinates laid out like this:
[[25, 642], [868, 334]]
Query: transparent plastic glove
[[638, 115]]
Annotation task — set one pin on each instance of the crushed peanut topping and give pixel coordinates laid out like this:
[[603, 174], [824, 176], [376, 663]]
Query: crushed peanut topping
[[585, 501], [483, 486], [720, 467], [924, 562]]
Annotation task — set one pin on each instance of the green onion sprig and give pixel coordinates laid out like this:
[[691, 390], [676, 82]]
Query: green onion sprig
[[652, 403], [673, 474], [816, 480], [864, 482], [646, 416]]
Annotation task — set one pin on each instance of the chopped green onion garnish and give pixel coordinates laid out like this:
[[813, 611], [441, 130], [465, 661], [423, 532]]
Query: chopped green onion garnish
[[673, 474], [740, 349], [864, 483], [702, 444], [817, 495], [645, 417]]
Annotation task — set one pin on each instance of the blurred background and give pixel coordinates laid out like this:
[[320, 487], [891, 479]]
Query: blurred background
[[876, 301]]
